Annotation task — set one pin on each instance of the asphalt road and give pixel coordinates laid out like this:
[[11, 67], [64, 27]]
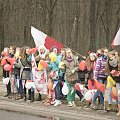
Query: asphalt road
[[7, 115], [33, 111], [37, 109]]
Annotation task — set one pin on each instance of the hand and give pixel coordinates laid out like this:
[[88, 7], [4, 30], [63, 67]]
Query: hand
[[95, 79], [72, 71], [86, 75], [6, 57]]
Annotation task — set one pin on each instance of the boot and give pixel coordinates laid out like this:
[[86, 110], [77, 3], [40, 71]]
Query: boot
[[109, 107], [32, 96], [18, 97], [39, 97], [8, 93], [24, 98], [29, 93], [11, 96]]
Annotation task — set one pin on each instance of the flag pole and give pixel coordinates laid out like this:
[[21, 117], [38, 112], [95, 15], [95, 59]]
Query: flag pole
[[73, 51]]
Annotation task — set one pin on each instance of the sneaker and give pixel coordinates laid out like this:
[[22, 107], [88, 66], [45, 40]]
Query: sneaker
[[57, 103], [87, 106], [93, 106], [73, 103], [48, 102], [82, 99], [109, 107], [70, 104], [53, 102]]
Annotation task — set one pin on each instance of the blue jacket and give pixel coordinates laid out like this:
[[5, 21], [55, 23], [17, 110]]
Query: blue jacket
[[54, 66]]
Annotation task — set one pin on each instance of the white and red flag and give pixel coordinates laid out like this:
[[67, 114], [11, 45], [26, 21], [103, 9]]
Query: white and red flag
[[39, 77], [41, 38], [116, 40]]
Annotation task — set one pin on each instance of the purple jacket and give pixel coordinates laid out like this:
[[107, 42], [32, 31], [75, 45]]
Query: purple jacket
[[99, 71]]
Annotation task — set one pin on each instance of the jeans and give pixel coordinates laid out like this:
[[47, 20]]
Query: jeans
[[77, 91], [8, 88], [98, 92], [79, 94], [17, 82], [118, 89], [20, 89], [13, 81], [57, 91], [109, 96]]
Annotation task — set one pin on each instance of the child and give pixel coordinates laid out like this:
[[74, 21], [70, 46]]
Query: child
[[99, 75], [4, 56], [81, 76], [90, 65]]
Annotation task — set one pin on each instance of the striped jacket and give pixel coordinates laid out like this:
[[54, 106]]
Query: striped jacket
[[99, 71]]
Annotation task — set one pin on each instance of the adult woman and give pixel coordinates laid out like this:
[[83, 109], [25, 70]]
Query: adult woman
[[71, 68], [116, 77], [24, 64], [90, 65], [112, 64]]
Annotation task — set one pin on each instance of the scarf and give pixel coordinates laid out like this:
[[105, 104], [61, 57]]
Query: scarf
[[113, 62], [69, 59]]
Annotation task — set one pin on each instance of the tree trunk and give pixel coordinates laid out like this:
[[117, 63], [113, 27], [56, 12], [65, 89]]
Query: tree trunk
[[92, 25]]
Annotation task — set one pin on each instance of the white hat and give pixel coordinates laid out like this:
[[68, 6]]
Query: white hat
[[93, 54]]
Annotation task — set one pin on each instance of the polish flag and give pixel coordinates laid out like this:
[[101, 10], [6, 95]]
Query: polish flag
[[41, 38], [116, 40]]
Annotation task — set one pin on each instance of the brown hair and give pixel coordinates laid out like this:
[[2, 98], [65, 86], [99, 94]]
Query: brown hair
[[13, 47], [23, 52], [89, 63], [63, 57], [107, 68], [118, 60]]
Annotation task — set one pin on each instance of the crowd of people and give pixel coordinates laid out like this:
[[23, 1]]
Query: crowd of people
[[66, 72]]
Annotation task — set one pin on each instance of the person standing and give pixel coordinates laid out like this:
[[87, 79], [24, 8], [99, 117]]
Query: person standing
[[25, 66], [99, 75], [71, 68]]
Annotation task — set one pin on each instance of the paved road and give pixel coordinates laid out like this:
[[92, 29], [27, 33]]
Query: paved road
[[37, 109], [7, 115], [63, 111]]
